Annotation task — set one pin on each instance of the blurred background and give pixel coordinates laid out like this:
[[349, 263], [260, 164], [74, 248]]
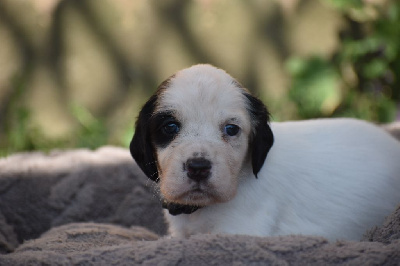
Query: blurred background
[[74, 73]]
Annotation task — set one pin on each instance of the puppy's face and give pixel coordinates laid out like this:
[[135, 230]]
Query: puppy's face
[[195, 134]]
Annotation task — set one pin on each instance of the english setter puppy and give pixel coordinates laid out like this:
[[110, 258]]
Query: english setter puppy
[[221, 167]]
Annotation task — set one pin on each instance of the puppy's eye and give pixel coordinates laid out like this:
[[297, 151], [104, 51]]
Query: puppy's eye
[[171, 128], [231, 130]]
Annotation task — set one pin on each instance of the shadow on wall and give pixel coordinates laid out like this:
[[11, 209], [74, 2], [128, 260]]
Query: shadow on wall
[[75, 73]]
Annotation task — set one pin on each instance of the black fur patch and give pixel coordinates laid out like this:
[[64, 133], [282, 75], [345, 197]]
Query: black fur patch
[[263, 138], [141, 146], [160, 137]]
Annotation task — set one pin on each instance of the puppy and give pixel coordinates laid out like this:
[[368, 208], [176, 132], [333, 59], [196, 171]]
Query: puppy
[[221, 167]]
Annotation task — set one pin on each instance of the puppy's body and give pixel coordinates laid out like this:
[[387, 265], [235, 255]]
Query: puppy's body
[[330, 177], [220, 164]]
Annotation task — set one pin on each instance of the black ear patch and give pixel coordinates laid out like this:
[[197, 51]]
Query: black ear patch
[[141, 146], [263, 138]]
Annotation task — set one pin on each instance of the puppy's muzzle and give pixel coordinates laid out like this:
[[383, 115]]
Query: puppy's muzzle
[[198, 169]]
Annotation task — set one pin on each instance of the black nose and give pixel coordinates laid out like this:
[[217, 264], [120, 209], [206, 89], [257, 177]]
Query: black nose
[[198, 169]]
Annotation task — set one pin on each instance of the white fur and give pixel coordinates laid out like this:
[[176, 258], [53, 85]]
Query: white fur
[[331, 177], [199, 101], [334, 178]]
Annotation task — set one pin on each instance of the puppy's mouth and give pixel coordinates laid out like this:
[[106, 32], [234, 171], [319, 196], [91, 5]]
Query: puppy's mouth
[[198, 194]]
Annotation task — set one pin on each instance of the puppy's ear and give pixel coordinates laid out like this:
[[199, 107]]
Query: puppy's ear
[[141, 147], [263, 138]]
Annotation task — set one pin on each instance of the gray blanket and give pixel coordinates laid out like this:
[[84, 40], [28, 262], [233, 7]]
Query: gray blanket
[[97, 208]]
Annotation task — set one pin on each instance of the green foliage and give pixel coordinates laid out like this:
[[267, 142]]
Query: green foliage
[[363, 72], [315, 87], [345, 5], [22, 136], [92, 133], [18, 136]]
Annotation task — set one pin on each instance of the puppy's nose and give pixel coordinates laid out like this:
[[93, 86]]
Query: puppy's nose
[[198, 169]]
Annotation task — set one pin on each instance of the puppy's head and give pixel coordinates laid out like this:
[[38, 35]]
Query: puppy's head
[[196, 134]]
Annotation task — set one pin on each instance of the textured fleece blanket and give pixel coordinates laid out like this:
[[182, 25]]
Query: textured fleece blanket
[[97, 208]]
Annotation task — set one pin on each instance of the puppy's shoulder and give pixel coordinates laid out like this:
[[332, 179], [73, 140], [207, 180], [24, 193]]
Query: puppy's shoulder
[[335, 127], [323, 122]]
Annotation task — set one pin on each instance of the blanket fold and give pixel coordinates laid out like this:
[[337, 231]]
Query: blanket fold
[[96, 207]]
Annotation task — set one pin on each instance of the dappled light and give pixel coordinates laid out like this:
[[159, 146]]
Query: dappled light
[[74, 73]]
